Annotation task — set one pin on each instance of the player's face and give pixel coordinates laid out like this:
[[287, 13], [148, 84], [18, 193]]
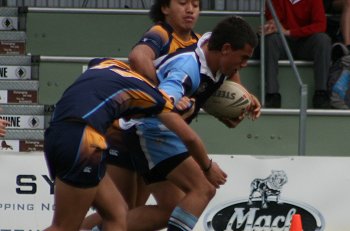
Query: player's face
[[233, 60], [182, 15]]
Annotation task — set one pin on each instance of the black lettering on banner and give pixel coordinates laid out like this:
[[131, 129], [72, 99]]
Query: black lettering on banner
[[26, 184], [50, 182], [3, 72], [14, 121]]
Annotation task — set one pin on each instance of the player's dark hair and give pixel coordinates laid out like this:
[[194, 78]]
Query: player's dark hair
[[156, 13], [233, 30]]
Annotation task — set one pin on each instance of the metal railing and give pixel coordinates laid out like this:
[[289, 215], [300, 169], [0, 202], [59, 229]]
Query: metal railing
[[303, 87], [230, 5]]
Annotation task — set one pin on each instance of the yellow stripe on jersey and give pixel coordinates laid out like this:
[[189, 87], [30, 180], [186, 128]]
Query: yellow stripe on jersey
[[132, 74], [123, 69], [169, 105], [158, 29], [128, 94], [93, 139], [135, 98], [109, 63], [130, 98], [177, 43]]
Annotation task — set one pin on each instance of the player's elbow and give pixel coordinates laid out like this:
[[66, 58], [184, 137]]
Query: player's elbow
[[134, 59], [191, 140]]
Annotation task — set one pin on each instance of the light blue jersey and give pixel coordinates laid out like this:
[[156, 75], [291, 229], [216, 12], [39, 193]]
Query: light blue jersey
[[179, 75], [184, 73]]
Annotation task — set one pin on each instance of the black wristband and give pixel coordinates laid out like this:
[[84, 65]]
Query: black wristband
[[205, 170]]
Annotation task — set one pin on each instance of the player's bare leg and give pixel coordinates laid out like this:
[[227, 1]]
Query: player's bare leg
[[155, 217], [199, 191], [72, 204], [110, 206]]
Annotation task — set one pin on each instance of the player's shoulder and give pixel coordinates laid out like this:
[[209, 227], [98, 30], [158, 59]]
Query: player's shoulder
[[162, 29], [182, 60]]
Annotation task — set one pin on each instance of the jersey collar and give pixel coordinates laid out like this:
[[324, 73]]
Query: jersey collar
[[204, 69]]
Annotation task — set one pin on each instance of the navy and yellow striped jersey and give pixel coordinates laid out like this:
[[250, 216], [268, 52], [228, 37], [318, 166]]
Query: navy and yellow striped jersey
[[163, 40], [109, 90]]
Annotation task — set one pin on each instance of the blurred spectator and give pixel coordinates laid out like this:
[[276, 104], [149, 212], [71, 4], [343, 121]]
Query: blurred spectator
[[341, 7], [304, 24], [345, 20]]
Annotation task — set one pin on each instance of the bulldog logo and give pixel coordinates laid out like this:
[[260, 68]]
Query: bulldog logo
[[268, 187]]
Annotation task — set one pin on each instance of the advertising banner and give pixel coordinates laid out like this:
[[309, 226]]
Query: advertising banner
[[26, 201], [25, 121], [261, 193]]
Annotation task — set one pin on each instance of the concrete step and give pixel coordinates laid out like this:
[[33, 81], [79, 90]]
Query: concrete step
[[242, 5], [18, 67], [19, 91], [72, 27], [22, 140], [12, 42], [276, 133], [22, 116], [8, 18], [58, 72]]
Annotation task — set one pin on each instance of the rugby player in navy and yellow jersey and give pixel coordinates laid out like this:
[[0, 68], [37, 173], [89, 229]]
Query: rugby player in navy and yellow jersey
[[173, 29], [75, 141]]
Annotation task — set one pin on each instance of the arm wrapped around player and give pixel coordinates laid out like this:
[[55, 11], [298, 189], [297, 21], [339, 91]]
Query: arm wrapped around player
[[185, 107]]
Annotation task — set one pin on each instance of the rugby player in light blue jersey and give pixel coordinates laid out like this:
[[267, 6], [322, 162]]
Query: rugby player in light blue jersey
[[196, 72]]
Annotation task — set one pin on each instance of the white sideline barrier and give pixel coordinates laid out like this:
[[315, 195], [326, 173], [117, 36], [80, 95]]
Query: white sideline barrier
[[315, 187]]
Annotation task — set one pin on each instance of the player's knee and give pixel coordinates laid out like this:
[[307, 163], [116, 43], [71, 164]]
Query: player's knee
[[211, 191], [207, 190], [118, 213]]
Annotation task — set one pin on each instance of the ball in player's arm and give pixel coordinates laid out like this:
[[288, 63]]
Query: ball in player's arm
[[196, 72]]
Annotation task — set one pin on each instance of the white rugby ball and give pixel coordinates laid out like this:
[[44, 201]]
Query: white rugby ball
[[229, 101]]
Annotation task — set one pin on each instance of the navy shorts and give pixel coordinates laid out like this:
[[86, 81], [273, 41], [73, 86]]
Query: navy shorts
[[161, 170], [125, 150], [74, 153], [122, 145]]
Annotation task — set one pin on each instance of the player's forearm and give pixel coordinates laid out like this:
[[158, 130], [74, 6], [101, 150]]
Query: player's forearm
[[141, 60]]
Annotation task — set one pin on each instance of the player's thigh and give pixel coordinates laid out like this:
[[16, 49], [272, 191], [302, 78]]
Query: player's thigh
[[109, 202], [188, 176], [71, 204], [125, 180], [143, 192], [120, 166], [166, 194]]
